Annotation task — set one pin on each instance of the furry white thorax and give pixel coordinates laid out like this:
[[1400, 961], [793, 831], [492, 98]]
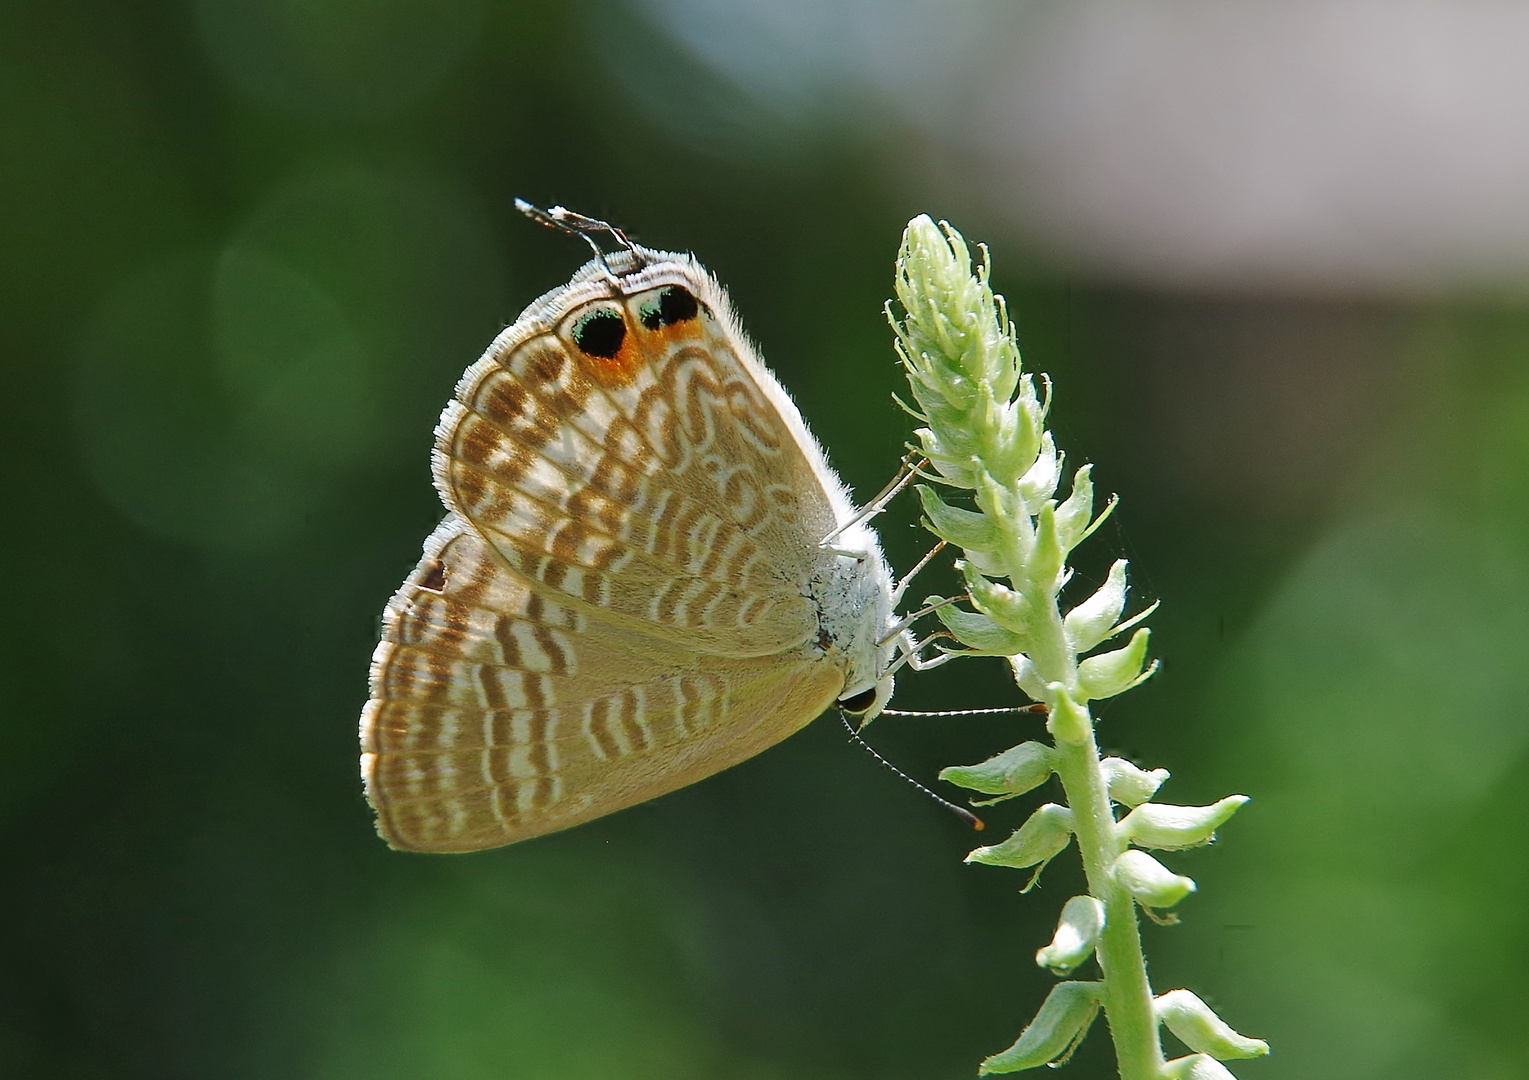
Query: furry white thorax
[[853, 598]]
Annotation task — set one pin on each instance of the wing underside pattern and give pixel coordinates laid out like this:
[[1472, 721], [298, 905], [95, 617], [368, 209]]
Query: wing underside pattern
[[614, 606], [497, 715], [666, 492]]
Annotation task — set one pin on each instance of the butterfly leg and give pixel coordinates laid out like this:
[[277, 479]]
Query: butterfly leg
[[907, 471], [910, 651], [901, 587], [908, 620], [846, 553]]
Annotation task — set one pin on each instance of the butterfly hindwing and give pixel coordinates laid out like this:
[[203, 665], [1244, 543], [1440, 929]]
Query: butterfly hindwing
[[658, 485], [497, 715]]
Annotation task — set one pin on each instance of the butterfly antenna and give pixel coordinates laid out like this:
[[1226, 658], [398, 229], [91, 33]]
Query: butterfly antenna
[[576, 224], [1007, 710], [960, 811]]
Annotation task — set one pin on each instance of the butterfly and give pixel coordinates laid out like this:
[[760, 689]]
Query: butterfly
[[647, 572]]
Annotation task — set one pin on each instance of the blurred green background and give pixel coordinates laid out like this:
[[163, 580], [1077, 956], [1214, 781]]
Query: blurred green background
[[1276, 270]]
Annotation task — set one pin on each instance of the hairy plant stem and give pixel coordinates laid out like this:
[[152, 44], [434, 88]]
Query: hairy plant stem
[[1127, 994]]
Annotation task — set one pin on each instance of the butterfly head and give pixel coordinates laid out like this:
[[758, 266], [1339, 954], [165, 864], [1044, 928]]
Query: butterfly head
[[867, 703], [853, 593]]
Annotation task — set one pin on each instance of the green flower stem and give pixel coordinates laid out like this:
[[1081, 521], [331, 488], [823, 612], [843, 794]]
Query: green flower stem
[[1127, 994], [984, 435]]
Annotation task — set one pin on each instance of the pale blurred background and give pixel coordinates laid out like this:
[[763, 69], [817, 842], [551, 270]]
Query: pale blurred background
[[1276, 257]]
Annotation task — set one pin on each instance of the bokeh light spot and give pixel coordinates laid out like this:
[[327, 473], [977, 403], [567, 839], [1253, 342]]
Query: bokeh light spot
[[219, 397]]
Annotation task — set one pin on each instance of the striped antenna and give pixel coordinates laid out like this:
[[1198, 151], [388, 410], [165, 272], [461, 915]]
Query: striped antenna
[[960, 811], [1009, 709]]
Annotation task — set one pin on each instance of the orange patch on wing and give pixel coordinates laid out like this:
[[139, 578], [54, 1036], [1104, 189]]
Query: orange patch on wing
[[607, 342], [621, 369], [670, 316], [674, 332]]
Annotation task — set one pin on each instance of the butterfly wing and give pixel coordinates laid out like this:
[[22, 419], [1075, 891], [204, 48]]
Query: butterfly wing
[[620, 454], [616, 606], [497, 715]]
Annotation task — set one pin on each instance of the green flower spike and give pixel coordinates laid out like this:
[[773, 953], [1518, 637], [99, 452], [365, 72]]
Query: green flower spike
[[983, 430]]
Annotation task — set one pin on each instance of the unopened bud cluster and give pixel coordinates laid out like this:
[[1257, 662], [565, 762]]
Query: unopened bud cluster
[[984, 434]]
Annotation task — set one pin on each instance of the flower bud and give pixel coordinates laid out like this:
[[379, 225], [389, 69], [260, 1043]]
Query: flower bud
[[1002, 505], [1000, 603], [1077, 932], [1014, 436], [1040, 481], [1038, 840], [1027, 678], [1196, 1067], [1200, 1029], [1072, 517], [1171, 828], [1129, 785], [1059, 1026], [1149, 881], [1011, 773], [1091, 621], [1067, 720], [1047, 556], [966, 529], [1115, 672], [949, 461], [978, 632]]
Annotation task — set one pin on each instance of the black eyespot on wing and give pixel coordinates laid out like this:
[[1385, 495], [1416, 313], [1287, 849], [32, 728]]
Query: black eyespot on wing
[[676, 304], [858, 703], [435, 577], [600, 333]]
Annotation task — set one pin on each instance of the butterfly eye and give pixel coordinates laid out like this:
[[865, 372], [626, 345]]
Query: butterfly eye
[[600, 333], [858, 703]]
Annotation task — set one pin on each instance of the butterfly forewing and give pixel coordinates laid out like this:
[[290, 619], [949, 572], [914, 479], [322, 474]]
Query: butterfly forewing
[[615, 606]]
